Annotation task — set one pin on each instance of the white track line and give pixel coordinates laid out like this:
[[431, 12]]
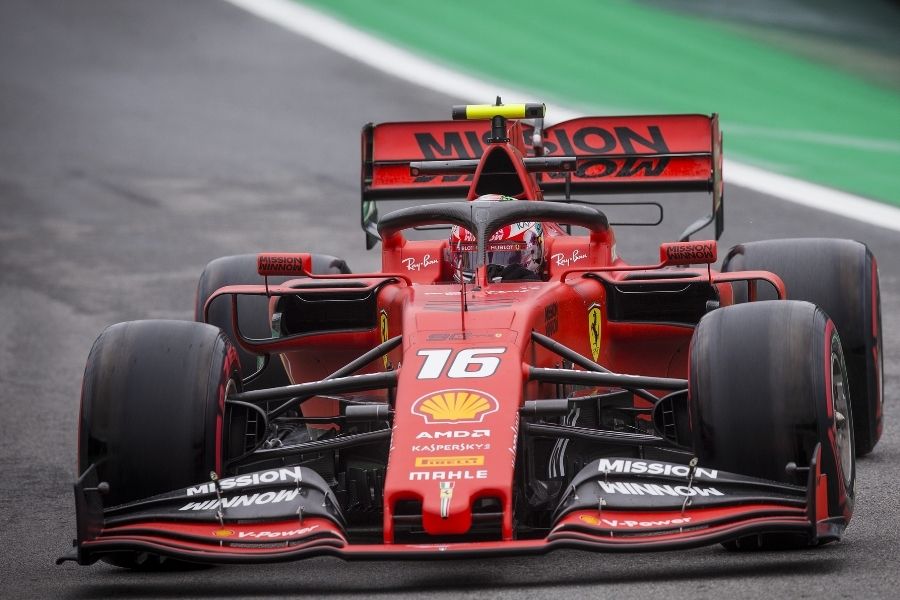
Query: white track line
[[395, 61]]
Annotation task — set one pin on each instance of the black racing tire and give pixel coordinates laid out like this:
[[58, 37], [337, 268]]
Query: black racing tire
[[840, 276], [768, 383], [253, 312], [153, 413]]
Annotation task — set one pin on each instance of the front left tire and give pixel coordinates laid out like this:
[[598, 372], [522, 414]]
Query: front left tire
[[768, 383]]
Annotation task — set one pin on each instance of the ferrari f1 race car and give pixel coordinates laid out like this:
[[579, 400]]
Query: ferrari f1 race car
[[512, 387]]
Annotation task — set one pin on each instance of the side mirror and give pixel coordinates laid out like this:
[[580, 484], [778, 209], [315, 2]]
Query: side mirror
[[688, 253], [272, 264]]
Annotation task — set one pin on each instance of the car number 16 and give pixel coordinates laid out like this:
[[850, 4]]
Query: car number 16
[[468, 363]]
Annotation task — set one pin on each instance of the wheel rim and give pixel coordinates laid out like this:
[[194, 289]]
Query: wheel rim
[[842, 424]]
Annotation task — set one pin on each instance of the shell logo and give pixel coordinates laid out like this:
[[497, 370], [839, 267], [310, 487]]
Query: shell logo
[[455, 406], [590, 519], [223, 532]]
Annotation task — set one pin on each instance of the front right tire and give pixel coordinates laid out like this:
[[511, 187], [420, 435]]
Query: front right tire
[[153, 415]]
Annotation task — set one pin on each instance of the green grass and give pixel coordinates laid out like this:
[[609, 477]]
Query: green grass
[[785, 112]]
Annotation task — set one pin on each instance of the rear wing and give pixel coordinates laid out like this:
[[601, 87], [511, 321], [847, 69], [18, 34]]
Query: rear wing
[[595, 155]]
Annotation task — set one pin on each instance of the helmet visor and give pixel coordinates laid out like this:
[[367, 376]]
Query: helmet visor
[[505, 253], [462, 257]]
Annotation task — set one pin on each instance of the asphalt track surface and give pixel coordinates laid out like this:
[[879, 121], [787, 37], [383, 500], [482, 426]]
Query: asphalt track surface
[[139, 140]]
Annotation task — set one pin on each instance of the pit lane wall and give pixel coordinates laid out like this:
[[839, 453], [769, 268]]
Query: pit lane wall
[[780, 110]]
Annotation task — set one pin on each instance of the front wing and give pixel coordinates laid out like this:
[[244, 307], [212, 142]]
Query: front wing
[[291, 515]]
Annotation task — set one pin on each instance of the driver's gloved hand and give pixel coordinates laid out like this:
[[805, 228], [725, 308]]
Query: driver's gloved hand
[[494, 271], [516, 272]]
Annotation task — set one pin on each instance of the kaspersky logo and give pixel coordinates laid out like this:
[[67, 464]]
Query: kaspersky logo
[[455, 406]]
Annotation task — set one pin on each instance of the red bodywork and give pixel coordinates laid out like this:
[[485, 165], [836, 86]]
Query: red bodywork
[[463, 365]]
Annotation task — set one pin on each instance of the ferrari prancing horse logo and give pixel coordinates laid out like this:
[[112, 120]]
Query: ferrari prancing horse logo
[[383, 327], [594, 330], [446, 495]]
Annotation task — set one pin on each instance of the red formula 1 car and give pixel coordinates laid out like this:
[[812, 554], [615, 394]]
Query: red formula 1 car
[[512, 389]]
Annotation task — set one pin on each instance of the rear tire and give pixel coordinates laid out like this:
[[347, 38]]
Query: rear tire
[[253, 312], [153, 412], [841, 277], [768, 383]]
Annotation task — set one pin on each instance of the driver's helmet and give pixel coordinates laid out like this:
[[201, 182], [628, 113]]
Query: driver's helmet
[[514, 252]]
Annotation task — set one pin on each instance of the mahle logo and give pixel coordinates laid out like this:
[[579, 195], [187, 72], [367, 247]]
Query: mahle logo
[[455, 406]]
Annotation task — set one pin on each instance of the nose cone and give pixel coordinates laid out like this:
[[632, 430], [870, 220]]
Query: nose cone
[[454, 438]]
